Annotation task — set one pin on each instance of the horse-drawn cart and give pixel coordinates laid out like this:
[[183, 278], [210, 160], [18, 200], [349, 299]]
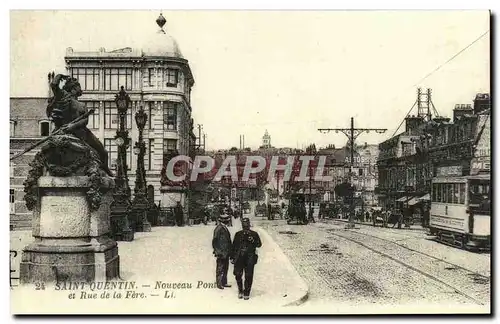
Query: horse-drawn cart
[[274, 211], [260, 210], [296, 212]]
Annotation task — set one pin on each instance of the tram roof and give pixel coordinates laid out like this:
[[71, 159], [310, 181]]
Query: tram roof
[[481, 176]]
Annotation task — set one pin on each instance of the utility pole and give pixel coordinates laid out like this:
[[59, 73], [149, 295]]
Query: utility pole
[[198, 147], [352, 133]]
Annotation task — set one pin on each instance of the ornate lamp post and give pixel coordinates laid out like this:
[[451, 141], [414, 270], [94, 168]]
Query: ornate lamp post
[[140, 203], [120, 207]]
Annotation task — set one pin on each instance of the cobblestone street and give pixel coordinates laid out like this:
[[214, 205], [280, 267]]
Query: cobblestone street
[[381, 266], [182, 255]]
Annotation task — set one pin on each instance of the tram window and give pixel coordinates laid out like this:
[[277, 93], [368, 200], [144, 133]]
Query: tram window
[[462, 193], [479, 196], [450, 193], [439, 192], [434, 189]]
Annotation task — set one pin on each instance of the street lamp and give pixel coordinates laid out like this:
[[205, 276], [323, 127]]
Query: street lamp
[[140, 204], [120, 207]]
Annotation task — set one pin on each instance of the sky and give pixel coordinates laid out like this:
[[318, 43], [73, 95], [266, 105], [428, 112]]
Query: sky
[[290, 72]]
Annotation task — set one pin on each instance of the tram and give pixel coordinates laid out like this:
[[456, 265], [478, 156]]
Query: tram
[[461, 211]]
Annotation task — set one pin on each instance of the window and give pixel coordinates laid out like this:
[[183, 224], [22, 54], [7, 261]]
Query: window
[[151, 75], [111, 116], [115, 78], [480, 196], [88, 77], [439, 192], [170, 115], [462, 193], [94, 118], [456, 193], [44, 128], [11, 169], [449, 193], [112, 149], [12, 128], [360, 172], [169, 145], [150, 114], [172, 77], [12, 201]]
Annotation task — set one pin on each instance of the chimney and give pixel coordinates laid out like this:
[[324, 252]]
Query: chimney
[[482, 102], [461, 110], [413, 123]]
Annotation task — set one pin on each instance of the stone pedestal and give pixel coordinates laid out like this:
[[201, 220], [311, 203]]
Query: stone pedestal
[[72, 240], [143, 224]]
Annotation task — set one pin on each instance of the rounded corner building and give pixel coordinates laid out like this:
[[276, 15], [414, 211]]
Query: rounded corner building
[[157, 77]]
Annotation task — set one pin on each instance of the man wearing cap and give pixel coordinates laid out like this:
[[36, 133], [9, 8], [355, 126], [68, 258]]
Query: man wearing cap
[[244, 257], [221, 244]]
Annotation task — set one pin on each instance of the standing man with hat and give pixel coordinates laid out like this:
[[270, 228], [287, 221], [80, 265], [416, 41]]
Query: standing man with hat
[[221, 243], [244, 257]]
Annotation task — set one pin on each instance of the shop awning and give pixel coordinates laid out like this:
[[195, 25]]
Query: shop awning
[[425, 197], [402, 199], [413, 201]]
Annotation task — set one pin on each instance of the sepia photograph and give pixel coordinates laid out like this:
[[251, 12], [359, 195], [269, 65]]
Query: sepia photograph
[[182, 162]]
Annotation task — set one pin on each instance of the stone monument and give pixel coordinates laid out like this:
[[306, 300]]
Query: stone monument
[[69, 190]]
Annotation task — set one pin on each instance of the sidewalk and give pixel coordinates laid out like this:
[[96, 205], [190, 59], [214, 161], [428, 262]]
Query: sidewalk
[[173, 255], [411, 228]]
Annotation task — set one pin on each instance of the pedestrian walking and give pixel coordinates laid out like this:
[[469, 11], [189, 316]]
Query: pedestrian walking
[[311, 216], [221, 244], [244, 257]]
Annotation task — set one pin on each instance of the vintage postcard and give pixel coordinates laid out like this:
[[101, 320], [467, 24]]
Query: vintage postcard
[[250, 162]]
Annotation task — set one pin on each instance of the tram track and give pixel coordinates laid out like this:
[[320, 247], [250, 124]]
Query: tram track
[[463, 281], [427, 255]]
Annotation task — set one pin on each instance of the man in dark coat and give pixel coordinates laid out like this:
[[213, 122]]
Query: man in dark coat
[[221, 244], [244, 257]]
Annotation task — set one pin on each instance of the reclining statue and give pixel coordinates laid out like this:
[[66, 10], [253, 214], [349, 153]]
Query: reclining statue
[[64, 107], [71, 149]]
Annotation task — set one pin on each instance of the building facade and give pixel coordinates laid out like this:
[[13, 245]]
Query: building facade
[[462, 147], [440, 147], [404, 170], [28, 125], [158, 78]]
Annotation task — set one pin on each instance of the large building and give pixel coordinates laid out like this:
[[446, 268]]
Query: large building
[[28, 124], [266, 140], [364, 175], [156, 76]]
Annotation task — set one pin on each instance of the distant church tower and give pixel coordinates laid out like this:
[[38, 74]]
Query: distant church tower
[[266, 140]]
